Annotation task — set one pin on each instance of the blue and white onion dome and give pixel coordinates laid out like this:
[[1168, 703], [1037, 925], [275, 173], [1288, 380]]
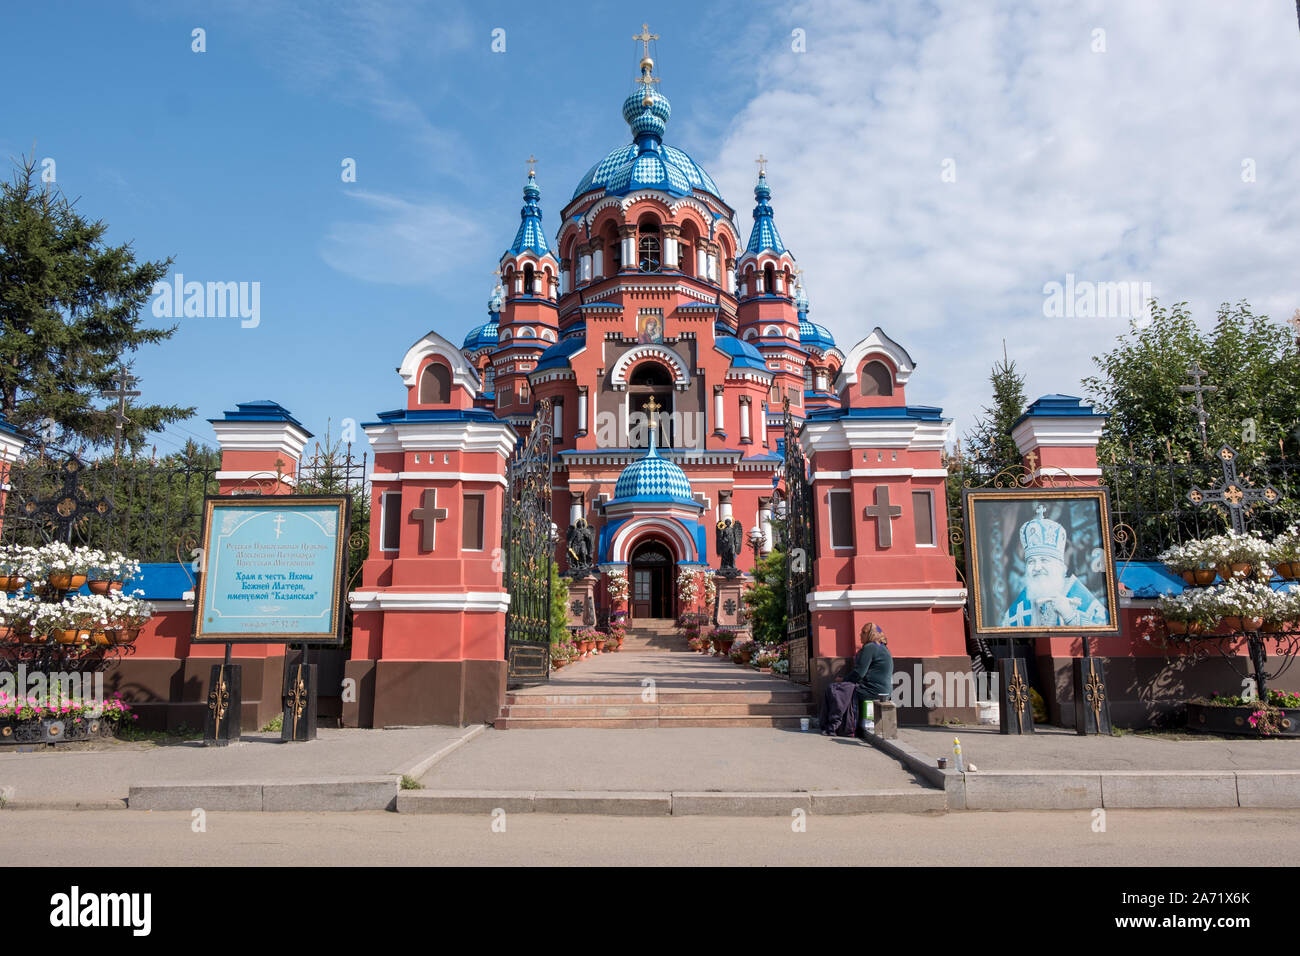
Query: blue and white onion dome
[[653, 478]]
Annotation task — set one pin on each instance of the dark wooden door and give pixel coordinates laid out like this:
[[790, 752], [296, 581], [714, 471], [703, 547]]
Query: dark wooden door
[[642, 592]]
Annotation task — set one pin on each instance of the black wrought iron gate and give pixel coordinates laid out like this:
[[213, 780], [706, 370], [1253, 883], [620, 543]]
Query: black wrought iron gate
[[801, 546], [528, 548]]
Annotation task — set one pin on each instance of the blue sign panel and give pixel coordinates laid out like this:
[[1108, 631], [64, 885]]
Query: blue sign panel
[[272, 569]]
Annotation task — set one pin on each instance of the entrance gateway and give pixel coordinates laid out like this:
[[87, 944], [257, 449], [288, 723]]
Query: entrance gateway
[[653, 580]]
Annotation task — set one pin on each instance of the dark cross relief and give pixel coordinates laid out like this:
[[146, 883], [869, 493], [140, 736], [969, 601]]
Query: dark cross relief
[[884, 513], [124, 381], [428, 514], [1232, 495], [68, 505], [1196, 373]]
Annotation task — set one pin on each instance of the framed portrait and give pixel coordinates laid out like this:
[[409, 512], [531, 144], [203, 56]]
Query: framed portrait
[[650, 327], [273, 569], [1039, 562]]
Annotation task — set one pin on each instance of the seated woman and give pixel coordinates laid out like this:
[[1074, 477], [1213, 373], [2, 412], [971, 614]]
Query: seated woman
[[873, 668]]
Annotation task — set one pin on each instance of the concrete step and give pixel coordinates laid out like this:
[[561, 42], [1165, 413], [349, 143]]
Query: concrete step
[[796, 709], [625, 723], [668, 697]]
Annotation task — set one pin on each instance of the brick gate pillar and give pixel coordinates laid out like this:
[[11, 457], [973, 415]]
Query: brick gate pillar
[[1057, 438], [428, 626], [261, 445]]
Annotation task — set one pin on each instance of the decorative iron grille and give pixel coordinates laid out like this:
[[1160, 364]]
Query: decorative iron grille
[[800, 548], [528, 548]]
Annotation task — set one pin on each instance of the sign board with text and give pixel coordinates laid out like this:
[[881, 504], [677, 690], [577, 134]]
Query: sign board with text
[[273, 569]]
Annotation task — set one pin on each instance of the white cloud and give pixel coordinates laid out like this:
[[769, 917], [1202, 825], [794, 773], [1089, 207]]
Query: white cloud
[[1122, 165], [403, 242]]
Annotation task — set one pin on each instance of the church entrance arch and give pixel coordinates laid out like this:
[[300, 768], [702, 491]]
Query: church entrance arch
[[652, 576]]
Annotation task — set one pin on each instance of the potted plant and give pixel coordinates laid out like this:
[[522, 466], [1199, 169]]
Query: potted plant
[[1193, 561], [1282, 611], [66, 569], [1284, 554], [1278, 716], [16, 565], [723, 637], [616, 586], [1189, 613], [1239, 555], [1243, 604], [109, 571]]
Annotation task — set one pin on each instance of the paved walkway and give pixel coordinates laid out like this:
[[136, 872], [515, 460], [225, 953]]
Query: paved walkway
[[1054, 748], [103, 777], [761, 759]]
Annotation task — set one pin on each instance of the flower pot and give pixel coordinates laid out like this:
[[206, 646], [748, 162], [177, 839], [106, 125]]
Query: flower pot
[[11, 582], [1237, 569], [1204, 577], [99, 587], [68, 636], [99, 638], [1288, 570], [66, 582], [1241, 622], [1178, 627], [558, 662], [123, 635], [115, 585], [1272, 627], [27, 637], [725, 646]]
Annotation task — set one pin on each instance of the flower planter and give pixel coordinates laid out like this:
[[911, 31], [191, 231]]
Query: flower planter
[[66, 582], [1237, 622], [11, 582], [1238, 569], [1179, 627], [123, 635], [1288, 570], [99, 587], [1210, 719], [725, 646]]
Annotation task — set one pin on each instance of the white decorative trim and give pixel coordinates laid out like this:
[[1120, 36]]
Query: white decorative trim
[[496, 437], [283, 437], [681, 375], [1057, 472], [685, 543], [438, 476], [854, 433], [11, 447], [1045, 431], [492, 601], [262, 474], [884, 598], [877, 343], [881, 473], [185, 604], [462, 373]]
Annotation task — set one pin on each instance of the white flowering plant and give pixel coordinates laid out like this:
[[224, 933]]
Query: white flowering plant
[[1286, 546], [112, 566], [1192, 556], [616, 583]]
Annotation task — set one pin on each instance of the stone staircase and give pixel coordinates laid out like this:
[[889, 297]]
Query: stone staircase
[[684, 708], [653, 635]]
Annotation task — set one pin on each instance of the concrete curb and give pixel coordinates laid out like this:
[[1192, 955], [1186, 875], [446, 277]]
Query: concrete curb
[[1111, 789], [418, 767], [337, 794], [670, 803]]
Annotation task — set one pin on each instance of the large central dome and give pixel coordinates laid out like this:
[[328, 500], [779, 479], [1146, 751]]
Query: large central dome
[[646, 163]]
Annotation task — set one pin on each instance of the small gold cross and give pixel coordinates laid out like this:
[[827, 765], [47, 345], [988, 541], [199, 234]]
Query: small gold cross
[[645, 37], [652, 406], [762, 164], [532, 162]]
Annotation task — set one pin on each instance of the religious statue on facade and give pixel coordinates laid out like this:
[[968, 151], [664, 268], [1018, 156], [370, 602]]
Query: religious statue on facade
[[582, 548], [730, 539]]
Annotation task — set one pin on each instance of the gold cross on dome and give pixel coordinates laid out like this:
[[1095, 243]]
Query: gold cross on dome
[[762, 164], [652, 406], [532, 162], [645, 37]]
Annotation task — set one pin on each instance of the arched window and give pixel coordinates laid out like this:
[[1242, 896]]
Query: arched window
[[876, 379], [527, 333], [649, 256], [435, 385], [548, 335], [489, 380], [769, 279], [772, 331], [750, 334], [528, 280], [807, 376]]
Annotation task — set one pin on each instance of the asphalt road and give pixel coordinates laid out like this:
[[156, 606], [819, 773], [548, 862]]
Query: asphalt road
[[1038, 838]]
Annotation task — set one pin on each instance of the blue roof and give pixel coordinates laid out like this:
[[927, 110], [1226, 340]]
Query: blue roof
[[1060, 406], [743, 355], [818, 336], [652, 478], [764, 236], [8, 428], [924, 413], [482, 336], [399, 416], [530, 237], [557, 356], [646, 163], [263, 410]]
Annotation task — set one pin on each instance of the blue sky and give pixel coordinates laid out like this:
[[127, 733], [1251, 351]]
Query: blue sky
[[1117, 164]]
